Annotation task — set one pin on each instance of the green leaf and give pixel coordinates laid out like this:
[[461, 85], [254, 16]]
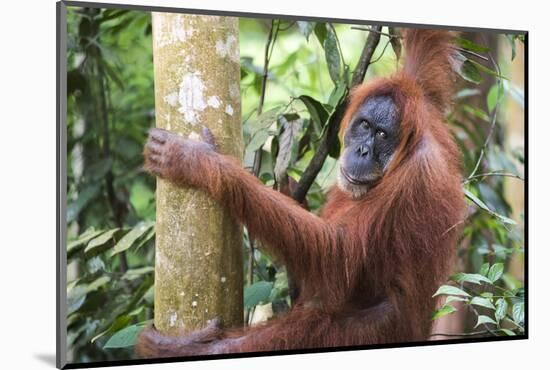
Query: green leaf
[[97, 283], [280, 286], [306, 28], [74, 246], [131, 237], [95, 264], [518, 312], [75, 298], [483, 206], [288, 145], [450, 290], [466, 93], [470, 278], [512, 40], [484, 269], [507, 332], [470, 45], [257, 293], [142, 200], [395, 42], [317, 112], [495, 272], [142, 241], [77, 294], [258, 140], [476, 112], [118, 324], [511, 281], [112, 73], [263, 121], [133, 274], [320, 30], [445, 310], [124, 338], [483, 302], [502, 308], [84, 198], [452, 298], [102, 242], [494, 97], [468, 71], [489, 71], [99, 169], [482, 319], [332, 55], [337, 94]]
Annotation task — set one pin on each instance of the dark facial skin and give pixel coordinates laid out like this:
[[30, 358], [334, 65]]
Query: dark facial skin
[[369, 143]]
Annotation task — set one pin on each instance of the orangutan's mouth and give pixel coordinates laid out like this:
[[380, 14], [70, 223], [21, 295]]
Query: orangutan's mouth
[[353, 180]]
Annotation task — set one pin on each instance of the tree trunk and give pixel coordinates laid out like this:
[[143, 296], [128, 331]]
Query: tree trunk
[[198, 263]]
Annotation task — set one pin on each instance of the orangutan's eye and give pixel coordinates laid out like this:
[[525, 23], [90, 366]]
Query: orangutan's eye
[[381, 134]]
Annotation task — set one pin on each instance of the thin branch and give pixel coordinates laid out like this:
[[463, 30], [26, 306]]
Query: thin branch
[[471, 53], [484, 324], [372, 29], [494, 173], [382, 53], [287, 27], [493, 120], [454, 226], [472, 334], [366, 55]]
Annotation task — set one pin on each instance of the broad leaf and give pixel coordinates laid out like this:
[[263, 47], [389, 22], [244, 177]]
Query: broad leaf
[[84, 198], [445, 310], [484, 269], [125, 338], [288, 145], [482, 319], [518, 312], [495, 272], [483, 302], [317, 112], [118, 324], [470, 278], [257, 293], [133, 274], [450, 290], [258, 140], [102, 242], [452, 298], [306, 28], [470, 45], [131, 237], [395, 42], [494, 97], [263, 121], [466, 69], [502, 308], [483, 206], [332, 55], [507, 332], [77, 294], [74, 246]]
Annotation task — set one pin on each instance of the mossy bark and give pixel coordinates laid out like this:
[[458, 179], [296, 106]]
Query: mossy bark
[[198, 260]]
